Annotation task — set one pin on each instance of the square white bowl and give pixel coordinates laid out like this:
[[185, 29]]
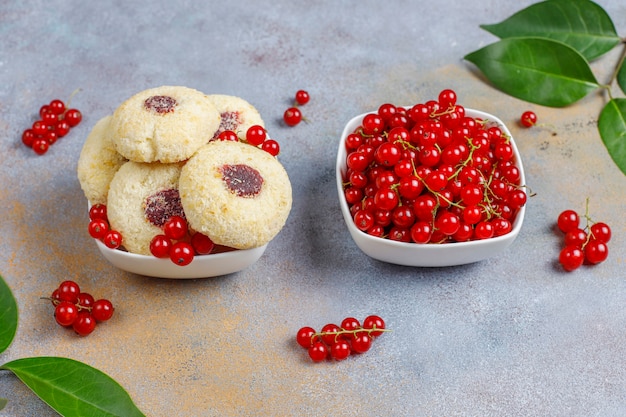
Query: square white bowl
[[428, 254]]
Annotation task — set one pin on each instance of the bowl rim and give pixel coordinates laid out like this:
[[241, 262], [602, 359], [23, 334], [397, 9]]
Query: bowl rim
[[341, 168]]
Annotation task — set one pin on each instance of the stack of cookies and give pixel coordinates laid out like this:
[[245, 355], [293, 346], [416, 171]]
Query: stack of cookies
[[158, 156]]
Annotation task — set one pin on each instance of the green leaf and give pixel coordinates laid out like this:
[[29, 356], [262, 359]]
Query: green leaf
[[73, 388], [536, 70], [581, 24], [3, 403], [8, 316], [612, 127], [621, 76]]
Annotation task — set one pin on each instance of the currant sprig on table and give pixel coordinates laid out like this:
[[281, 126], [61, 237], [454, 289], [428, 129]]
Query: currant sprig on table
[[339, 342], [55, 121], [588, 243], [293, 115], [79, 310]]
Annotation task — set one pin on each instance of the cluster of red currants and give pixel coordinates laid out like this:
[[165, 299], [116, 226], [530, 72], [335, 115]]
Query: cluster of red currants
[[255, 136], [79, 310], [587, 244], [100, 229], [55, 121], [293, 115], [431, 174], [338, 342], [178, 244]]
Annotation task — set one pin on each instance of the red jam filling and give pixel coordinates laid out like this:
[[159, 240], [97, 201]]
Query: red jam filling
[[160, 104], [242, 180], [159, 207], [229, 120]]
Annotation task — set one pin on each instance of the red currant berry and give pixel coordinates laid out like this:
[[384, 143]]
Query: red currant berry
[[102, 310], [568, 220], [49, 119], [447, 98], [160, 246], [175, 228], [350, 324], [271, 146], [65, 313], [228, 135], [292, 116], [40, 146], [69, 291], [373, 124], [447, 223], [54, 297], [374, 324], [202, 244], [571, 258], [421, 232], [39, 127], [73, 117], [528, 119], [329, 335], [56, 107], [302, 97], [318, 352], [576, 237], [62, 128], [596, 251], [98, 228], [304, 337], [28, 137], [84, 323], [484, 230], [601, 232], [85, 301], [112, 239], [361, 343], [386, 199], [340, 350], [256, 135], [98, 211], [182, 253]]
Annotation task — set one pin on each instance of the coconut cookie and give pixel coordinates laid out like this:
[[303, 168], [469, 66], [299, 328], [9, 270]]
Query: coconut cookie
[[235, 193], [236, 114], [98, 162], [142, 197], [165, 124]]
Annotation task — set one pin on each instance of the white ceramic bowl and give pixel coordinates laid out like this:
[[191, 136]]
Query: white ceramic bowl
[[426, 255], [204, 266]]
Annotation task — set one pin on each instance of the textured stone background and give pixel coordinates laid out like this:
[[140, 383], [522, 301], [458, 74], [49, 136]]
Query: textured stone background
[[510, 336]]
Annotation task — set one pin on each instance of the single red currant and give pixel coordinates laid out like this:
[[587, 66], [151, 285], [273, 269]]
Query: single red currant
[[40, 146], [62, 128], [528, 119], [202, 244], [84, 323], [175, 228], [102, 310], [85, 301], [571, 258], [98, 211], [228, 135], [69, 291], [65, 313], [340, 350], [56, 106], [304, 337], [568, 220], [271, 146], [73, 117], [302, 97], [596, 251], [318, 352], [362, 342], [112, 239], [98, 228], [576, 237], [292, 116], [374, 324], [160, 246], [182, 253], [256, 135], [329, 335], [601, 231]]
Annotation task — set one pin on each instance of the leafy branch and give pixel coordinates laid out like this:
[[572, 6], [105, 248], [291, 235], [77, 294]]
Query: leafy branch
[[543, 57], [70, 387]]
